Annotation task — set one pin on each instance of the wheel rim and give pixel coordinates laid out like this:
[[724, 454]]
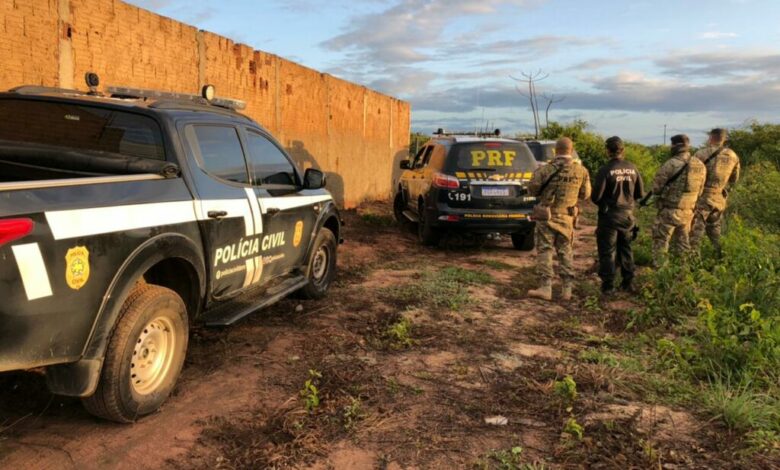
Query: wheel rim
[[320, 264], [152, 356]]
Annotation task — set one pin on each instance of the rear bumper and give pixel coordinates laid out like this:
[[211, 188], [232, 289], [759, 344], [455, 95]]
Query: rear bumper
[[480, 220]]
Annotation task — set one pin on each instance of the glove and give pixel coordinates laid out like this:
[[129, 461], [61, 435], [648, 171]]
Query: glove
[[634, 233]]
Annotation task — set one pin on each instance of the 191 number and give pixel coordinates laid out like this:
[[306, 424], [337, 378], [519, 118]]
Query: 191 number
[[460, 197]]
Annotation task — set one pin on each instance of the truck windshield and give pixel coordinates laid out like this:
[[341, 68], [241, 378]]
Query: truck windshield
[[79, 127], [500, 157]]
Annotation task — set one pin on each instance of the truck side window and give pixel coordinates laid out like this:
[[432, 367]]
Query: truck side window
[[267, 163], [422, 158], [219, 152]]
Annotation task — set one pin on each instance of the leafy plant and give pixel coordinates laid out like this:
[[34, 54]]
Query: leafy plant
[[566, 389], [574, 429], [352, 413], [310, 393], [399, 334]]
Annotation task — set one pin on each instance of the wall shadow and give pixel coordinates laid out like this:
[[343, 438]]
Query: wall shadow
[[396, 172], [304, 160]]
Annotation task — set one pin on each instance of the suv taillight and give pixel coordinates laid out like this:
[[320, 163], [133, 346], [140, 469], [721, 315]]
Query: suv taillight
[[445, 181], [14, 229]]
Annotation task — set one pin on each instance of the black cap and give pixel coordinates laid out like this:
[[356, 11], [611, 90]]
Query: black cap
[[680, 140], [720, 134], [614, 145]]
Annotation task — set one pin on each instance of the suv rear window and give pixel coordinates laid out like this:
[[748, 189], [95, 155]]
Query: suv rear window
[[493, 156], [79, 127]]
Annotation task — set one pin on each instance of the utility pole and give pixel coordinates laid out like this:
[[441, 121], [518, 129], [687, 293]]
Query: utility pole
[[664, 142]]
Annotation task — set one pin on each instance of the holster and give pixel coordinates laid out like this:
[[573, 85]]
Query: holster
[[541, 213]]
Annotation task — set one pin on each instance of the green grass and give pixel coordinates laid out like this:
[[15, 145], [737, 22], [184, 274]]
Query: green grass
[[498, 265], [377, 220], [446, 288]]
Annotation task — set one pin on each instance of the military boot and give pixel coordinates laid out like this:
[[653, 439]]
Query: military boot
[[544, 292], [566, 290]]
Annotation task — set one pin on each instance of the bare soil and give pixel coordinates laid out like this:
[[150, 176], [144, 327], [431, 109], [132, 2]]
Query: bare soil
[[388, 399]]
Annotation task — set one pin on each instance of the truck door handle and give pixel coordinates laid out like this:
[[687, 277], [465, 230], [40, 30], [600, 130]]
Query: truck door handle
[[217, 214], [272, 211]]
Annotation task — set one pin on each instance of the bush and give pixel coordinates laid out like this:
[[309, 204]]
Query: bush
[[757, 143], [756, 198]]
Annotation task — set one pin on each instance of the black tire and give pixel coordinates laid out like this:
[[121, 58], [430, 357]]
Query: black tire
[[399, 205], [152, 319], [523, 241], [428, 236], [321, 268]]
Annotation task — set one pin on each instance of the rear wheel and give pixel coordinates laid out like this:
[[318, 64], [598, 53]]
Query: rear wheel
[[427, 234], [523, 241], [322, 265], [399, 205], [144, 357]]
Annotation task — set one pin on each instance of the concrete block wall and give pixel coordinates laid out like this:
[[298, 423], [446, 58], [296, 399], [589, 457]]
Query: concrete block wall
[[357, 136]]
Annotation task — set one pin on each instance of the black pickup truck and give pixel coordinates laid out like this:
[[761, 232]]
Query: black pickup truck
[[128, 216]]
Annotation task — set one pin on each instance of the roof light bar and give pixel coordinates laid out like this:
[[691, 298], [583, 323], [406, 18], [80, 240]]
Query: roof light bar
[[144, 93]]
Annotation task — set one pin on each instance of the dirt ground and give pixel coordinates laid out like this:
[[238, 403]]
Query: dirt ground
[[401, 375]]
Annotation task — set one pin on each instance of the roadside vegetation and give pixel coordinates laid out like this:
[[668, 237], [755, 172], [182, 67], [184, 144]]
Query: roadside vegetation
[[708, 330]]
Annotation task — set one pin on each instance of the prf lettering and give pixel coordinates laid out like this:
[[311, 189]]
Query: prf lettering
[[492, 158]]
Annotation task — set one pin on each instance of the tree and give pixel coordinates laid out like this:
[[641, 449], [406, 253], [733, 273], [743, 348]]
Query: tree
[[531, 79]]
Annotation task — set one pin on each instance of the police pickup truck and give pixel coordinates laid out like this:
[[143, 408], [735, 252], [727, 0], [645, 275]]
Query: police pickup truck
[[475, 184], [127, 217]]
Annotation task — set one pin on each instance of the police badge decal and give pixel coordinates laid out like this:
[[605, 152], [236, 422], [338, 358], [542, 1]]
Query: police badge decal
[[77, 267]]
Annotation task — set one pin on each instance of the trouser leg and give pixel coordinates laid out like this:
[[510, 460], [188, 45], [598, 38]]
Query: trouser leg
[[545, 242], [625, 256], [606, 238], [563, 246]]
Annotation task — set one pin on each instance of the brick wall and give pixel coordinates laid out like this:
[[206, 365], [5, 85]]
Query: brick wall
[[355, 135]]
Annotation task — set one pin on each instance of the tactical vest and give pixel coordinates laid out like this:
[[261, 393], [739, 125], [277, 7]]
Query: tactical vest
[[719, 169], [683, 193], [563, 191]]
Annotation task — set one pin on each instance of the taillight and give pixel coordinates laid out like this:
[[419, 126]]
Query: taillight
[[14, 229], [445, 181]]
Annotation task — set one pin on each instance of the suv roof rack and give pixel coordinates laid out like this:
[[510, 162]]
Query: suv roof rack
[[442, 132], [145, 93], [39, 90]]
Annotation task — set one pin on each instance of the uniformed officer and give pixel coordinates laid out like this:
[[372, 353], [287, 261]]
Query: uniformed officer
[[558, 187], [677, 186], [617, 187], [722, 173]]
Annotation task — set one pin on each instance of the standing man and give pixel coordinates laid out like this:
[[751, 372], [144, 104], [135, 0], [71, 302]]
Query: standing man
[[617, 188], [677, 185], [558, 188], [722, 173]]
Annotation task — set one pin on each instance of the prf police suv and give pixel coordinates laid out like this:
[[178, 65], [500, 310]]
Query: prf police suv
[[468, 183], [127, 217]]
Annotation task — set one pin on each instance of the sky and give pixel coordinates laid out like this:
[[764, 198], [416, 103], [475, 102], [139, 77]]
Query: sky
[[627, 67]]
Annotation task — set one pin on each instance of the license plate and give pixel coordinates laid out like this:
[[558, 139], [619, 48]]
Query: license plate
[[495, 192]]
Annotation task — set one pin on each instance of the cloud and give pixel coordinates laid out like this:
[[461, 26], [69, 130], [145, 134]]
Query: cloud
[[720, 64], [717, 35]]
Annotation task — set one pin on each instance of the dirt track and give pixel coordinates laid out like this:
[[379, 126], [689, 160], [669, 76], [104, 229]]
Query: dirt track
[[387, 400]]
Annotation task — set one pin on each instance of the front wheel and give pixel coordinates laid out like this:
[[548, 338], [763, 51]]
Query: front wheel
[[399, 205], [145, 355], [523, 241], [322, 265]]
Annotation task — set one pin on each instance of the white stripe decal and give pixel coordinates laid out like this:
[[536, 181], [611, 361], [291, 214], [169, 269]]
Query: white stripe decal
[[33, 270], [85, 222], [255, 205], [233, 207], [285, 203], [250, 272]]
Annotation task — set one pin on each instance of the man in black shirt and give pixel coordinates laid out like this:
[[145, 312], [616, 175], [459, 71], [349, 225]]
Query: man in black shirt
[[618, 185]]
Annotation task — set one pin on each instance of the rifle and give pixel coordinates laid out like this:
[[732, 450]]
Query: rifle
[[646, 200]]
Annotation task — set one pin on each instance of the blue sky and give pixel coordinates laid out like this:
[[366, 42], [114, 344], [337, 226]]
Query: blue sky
[[627, 67]]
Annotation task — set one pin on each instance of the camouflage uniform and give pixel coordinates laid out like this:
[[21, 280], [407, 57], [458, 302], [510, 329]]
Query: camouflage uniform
[[722, 171], [675, 202], [562, 194]]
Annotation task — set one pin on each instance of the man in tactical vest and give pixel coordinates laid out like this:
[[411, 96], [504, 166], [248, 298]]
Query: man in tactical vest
[[558, 188], [722, 173], [617, 187], [677, 186]]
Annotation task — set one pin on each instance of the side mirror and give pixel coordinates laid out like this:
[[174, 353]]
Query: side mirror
[[406, 165], [313, 179]]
